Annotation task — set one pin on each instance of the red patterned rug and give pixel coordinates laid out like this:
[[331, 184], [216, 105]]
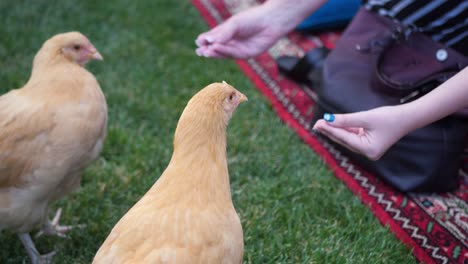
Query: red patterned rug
[[435, 227]]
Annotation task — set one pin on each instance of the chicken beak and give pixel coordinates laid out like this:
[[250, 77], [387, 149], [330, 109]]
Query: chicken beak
[[96, 56], [243, 98]]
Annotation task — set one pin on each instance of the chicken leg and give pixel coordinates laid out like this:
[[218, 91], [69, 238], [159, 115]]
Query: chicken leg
[[33, 254], [53, 228]]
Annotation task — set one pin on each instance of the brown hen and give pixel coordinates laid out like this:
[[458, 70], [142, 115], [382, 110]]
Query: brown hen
[[188, 215], [50, 130]]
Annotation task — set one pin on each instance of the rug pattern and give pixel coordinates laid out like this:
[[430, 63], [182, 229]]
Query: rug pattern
[[434, 226]]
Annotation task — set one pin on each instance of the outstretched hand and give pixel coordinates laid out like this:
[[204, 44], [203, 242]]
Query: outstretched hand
[[372, 132], [253, 31], [369, 133], [244, 35]]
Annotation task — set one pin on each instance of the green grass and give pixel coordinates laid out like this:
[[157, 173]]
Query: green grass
[[292, 208]]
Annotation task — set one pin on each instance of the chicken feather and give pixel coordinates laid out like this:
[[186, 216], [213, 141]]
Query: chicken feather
[[188, 215], [50, 130]]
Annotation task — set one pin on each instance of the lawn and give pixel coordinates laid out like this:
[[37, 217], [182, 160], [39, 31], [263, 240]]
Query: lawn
[[293, 209]]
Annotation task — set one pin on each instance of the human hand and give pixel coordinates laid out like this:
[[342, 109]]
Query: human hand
[[244, 35], [370, 133]]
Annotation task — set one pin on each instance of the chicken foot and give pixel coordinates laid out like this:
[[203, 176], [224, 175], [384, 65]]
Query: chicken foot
[[33, 254], [53, 228]]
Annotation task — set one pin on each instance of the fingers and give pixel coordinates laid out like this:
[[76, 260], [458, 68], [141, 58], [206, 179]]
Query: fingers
[[220, 34], [339, 141], [209, 44], [208, 52], [203, 40], [346, 138], [358, 119], [357, 139], [231, 50], [342, 121], [228, 50], [216, 42]]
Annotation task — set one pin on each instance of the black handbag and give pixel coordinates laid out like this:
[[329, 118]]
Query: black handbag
[[379, 62]]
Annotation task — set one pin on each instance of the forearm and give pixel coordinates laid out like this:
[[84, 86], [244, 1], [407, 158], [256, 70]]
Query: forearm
[[290, 13], [444, 100]]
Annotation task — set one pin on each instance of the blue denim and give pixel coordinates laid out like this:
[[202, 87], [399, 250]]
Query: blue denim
[[333, 14]]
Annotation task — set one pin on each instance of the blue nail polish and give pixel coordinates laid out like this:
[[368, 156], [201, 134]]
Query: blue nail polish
[[329, 117]]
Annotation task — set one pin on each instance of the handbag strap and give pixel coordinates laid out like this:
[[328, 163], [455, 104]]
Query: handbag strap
[[409, 62], [441, 64]]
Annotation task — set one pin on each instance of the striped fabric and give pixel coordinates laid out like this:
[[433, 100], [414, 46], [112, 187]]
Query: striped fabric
[[446, 21]]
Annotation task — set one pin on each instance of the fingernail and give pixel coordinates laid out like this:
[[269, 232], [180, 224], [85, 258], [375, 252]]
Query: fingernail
[[315, 131], [329, 117], [209, 39]]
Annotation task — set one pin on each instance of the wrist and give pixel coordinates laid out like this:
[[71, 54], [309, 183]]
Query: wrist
[[408, 116]]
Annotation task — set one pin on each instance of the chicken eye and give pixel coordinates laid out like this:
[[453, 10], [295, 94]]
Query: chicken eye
[[231, 96], [76, 47]]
